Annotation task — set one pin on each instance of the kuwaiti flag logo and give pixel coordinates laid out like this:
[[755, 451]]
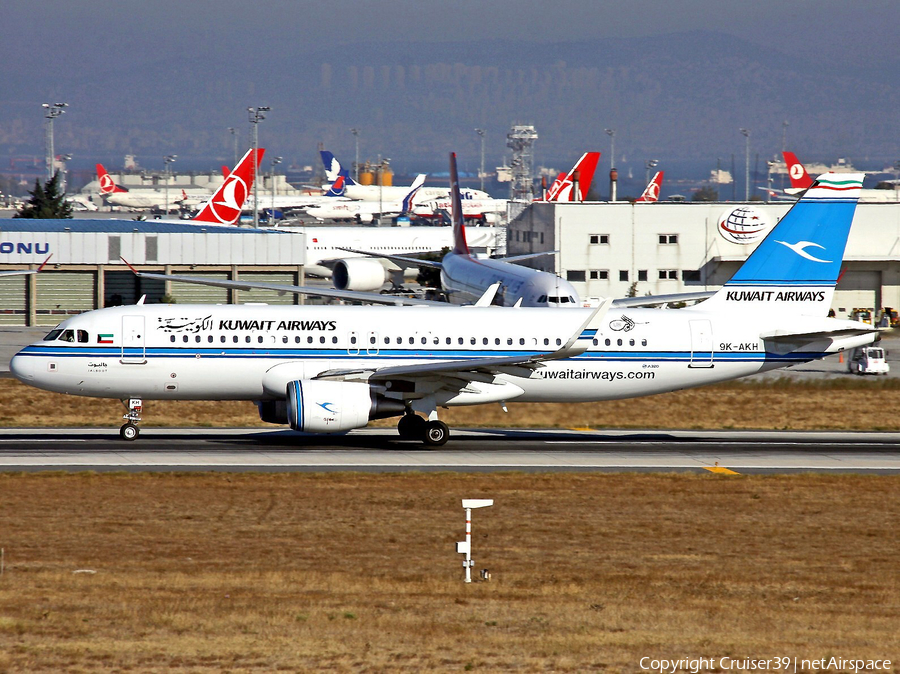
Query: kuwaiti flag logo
[[105, 338]]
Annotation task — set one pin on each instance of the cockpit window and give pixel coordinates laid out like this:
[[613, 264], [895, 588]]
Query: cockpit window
[[542, 299], [53, 334], [82, 336], [67, 336]]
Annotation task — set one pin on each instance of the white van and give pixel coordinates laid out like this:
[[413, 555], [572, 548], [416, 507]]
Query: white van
[[868, 360]]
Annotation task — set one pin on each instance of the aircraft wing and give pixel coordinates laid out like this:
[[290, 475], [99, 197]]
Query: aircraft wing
[[526, 256], [401, 260], [816, 335], [19, 272], [652, 300], [374, 298]]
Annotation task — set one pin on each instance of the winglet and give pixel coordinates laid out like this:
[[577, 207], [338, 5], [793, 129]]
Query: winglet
[[586, 333], [43, 264], [128, 264], [488, 296]]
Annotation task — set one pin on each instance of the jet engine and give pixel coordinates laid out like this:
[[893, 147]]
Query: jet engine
[[315, 406], [358, 273]]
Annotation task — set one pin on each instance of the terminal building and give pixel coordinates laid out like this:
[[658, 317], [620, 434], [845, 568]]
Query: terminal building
[[604, 249], [621, 249]]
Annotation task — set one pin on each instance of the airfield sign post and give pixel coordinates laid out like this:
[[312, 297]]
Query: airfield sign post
[[465, 547]]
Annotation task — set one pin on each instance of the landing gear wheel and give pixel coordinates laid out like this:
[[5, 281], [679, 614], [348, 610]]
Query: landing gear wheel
[[436, 433], [129, 432], [411, 427]]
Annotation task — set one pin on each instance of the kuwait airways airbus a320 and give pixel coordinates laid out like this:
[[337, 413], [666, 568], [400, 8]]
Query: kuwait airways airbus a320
[[325, 369]]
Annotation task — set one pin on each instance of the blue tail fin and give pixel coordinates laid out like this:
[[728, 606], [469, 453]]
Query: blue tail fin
[[796, 267]]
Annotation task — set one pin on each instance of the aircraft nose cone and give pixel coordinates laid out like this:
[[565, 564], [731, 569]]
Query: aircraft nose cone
[[22, 368]]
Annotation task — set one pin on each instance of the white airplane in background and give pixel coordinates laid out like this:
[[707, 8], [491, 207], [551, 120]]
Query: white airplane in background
[[330, 369], [368, 211], [147, 198], [336, 251], [800, 180], [353, 190]]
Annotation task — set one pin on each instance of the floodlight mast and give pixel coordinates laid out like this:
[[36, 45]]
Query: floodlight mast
[[465, 547]]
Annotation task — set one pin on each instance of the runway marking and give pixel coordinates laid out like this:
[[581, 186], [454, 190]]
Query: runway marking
[[721, 470]]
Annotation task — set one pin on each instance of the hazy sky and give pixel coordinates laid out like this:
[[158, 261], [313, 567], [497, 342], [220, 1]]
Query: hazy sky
[[71, 34]]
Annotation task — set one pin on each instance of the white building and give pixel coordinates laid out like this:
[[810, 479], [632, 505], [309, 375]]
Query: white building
[[605, 248]]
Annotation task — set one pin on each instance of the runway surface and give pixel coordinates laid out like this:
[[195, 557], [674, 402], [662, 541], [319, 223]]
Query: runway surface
[[483, 450]]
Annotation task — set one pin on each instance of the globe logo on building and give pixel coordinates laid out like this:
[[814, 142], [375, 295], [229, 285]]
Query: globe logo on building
[[743, 225]]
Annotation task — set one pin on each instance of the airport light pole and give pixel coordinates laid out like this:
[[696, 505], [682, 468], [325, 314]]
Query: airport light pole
[[480, 132], [64, 158], [355, 133], [256, 116], [168, 159], [746, 133], [612, 147], [651, 163], [234, 142], [275, 162], [51, 112]]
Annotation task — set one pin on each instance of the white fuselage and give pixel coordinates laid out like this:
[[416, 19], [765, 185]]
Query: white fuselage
[[141, 199], [465, 279], [397, 193], [226, 352]]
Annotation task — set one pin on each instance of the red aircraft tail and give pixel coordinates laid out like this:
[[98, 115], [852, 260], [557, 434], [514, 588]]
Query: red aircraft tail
[[582, 174], [651, 192], [800, 179], [224, 207], [107, 184]]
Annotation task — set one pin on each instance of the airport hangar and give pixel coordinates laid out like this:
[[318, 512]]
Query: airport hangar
[[604, 248]]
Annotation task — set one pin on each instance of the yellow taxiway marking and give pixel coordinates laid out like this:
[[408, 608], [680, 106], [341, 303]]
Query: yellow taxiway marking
[[582, 428], [721, 470]]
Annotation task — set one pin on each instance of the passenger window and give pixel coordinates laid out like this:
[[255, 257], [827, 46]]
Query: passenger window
[[558, 342], [630, 342], [412, 340], [643, 342], [372, 339], [309, 340], [484, 340], [424, 340], [607, 342], [247, 339], [259, 339], [235, 339], [197, 339], [461, 340], [322, 339], [619, 342], [184, 338], [596, 342], [387, 340], [497, 341], [171, 338], [546, 341], [333, 339], [509, 341], [353, 340], [296, 339], [284, 340], [472, 341], [449, 341], [521, 341]]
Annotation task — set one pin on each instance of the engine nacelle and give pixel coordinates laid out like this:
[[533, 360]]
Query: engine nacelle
[[333, 406], [359, 273]]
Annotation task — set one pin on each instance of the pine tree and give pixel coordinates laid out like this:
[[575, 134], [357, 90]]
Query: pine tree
[[47, 202]]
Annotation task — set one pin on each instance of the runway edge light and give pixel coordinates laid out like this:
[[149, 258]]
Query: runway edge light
[[465, 547]]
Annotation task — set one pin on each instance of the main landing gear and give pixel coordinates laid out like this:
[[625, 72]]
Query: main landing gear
[[130, 430], [433, 433]]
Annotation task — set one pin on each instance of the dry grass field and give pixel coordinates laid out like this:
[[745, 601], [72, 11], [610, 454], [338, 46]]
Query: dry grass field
[[347, 572], [849, 404]]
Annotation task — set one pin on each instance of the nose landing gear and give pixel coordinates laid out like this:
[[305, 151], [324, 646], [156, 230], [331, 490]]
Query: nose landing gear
[[129, 430]]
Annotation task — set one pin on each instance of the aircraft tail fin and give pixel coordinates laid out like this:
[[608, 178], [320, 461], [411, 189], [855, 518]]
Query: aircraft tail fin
[[460, 246], [333, 168], [107, 184], [337, 187], [796, 267], [582, 175], [651, 192], [224, 207], [411, 195], [800, 179], [225, 171]]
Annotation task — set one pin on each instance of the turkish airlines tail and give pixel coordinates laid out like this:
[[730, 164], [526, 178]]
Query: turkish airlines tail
[[581, 174], [107, 185], [651, 192], [800, 179], [224, 207]]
